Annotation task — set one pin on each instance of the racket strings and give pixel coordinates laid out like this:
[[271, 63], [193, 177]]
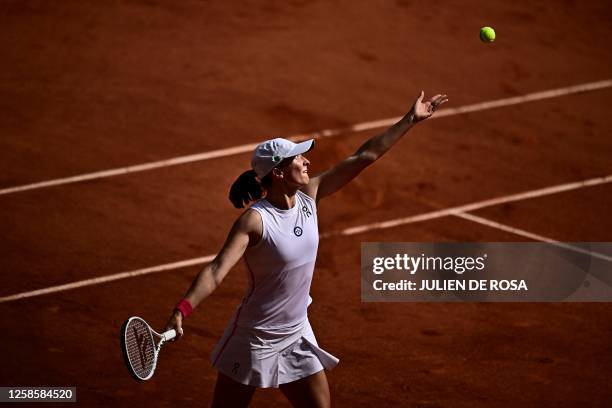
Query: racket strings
[[140, 348]]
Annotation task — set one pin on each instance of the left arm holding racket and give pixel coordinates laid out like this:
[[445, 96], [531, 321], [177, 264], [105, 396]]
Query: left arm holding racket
[[137, 337], [345, 171]]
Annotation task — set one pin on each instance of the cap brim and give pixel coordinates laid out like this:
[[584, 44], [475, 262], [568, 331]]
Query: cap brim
[[301, 148]]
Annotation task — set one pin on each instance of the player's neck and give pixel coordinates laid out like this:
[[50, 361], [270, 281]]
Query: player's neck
[[282, 197]]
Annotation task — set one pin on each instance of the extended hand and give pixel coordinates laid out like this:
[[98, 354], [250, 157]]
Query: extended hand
[[422, 110], [175, 322]]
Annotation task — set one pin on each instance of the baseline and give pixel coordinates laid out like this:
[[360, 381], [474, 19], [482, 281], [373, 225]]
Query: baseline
[[456, 211]]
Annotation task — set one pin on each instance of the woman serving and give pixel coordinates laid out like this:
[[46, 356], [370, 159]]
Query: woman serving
[[269, 342]]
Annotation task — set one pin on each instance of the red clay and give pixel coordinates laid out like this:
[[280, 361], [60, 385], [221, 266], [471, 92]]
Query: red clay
[[88, 86]]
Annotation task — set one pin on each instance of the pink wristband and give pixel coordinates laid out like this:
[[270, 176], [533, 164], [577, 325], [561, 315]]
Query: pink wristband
[[184, 307]]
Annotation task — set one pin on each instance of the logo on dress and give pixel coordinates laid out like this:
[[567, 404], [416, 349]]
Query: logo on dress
[[297, 231], [306, 211], [236, 367]]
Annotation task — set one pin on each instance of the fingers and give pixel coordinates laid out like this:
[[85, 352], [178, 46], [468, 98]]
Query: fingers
[[178, 326], [175, 322], [423, 110], [435, 100], [438, 100]]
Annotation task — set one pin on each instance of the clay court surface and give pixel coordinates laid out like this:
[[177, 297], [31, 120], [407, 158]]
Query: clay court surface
[[88, 86]]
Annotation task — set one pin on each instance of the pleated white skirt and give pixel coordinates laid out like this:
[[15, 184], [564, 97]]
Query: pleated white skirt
[[270, 357]]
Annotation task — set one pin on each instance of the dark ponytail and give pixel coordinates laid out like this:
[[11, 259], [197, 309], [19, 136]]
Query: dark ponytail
[[247, 188]]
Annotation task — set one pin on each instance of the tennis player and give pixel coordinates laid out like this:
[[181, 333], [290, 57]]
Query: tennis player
[[269, 342]]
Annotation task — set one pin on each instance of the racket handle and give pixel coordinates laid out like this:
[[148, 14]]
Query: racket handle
[[169, 335]]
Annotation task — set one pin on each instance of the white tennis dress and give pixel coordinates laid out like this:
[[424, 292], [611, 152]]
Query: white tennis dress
[[269, 340]]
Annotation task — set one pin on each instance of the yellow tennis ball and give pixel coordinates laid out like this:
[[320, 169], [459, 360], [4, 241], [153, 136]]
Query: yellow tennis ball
[[487, 34]]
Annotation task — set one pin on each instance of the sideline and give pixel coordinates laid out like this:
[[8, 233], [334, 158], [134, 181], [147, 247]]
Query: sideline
[[231, 151]]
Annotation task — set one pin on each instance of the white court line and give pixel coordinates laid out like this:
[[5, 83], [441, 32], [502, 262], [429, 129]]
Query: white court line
[[531, 235], [109, 278], [231, 151], [474, 206], [349, 231]]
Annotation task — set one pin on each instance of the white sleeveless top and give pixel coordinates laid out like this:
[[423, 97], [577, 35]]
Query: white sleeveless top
[[280, 266]]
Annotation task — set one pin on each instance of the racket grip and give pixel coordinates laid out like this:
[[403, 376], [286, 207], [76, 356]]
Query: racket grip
[[169, 335]]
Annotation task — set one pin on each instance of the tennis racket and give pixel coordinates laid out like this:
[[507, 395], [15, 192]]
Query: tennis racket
[[139, 349]]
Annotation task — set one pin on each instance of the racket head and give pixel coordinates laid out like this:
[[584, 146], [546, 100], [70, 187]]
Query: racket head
[[138, 347]]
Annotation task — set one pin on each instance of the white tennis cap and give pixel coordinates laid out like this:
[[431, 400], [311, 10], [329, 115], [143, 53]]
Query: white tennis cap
[[271, 152]]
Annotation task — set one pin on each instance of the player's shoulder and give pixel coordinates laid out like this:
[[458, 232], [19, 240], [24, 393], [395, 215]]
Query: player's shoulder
[[310, 190], [250, 220], [250, 223]]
